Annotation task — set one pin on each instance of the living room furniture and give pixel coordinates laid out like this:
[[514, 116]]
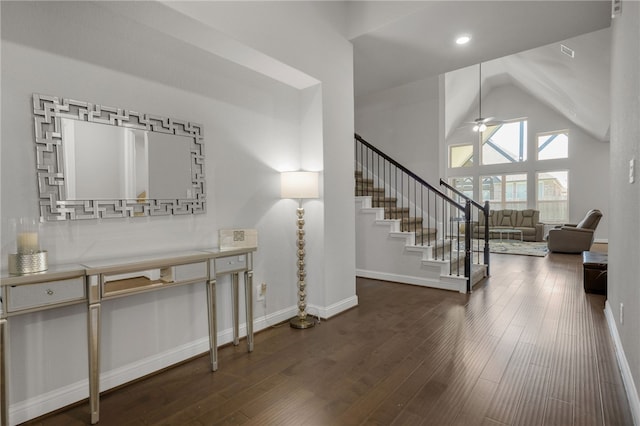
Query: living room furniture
[[95, 283], [594, 266], [527, 221], [574, 238], [505, 231]]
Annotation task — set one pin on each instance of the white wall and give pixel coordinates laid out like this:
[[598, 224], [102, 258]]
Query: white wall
[[253, 128], [403, 123], [309, 37], [588, 162], [624, 240]]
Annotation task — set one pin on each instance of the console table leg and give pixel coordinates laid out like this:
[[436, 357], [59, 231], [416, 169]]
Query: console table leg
[[248, 297], [213, 335], [94, 361], [235, 308], [4, 382]]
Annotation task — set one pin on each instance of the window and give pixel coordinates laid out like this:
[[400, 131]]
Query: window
[[460, 156], [497, 169], [505, 143], [553, 145], [462, 184], [553, 196], [505, 191]]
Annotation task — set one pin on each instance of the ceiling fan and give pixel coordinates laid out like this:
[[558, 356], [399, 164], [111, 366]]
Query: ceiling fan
[[480, 123]]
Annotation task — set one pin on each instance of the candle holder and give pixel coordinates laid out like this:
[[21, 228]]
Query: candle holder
[[28, 258]]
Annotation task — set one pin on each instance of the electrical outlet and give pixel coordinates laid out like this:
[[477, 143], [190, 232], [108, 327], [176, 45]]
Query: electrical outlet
[[261, 291], [621, 313]]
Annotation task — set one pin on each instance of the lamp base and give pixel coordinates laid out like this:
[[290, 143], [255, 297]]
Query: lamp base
[[302, 323]]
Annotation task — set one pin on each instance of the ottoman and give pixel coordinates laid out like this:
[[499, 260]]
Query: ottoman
[[594, 266]]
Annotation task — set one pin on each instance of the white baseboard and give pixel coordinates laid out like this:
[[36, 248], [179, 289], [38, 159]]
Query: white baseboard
[[31, 408], [37, 406], [22, 411], [267, 321], [627, 378], [406, 279], [336, 308]]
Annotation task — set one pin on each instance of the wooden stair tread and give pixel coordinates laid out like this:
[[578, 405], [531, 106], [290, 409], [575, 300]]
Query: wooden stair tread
[[409, 222]]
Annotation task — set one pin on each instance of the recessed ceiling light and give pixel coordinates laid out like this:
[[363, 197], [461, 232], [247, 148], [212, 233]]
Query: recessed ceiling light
[[463, 39]]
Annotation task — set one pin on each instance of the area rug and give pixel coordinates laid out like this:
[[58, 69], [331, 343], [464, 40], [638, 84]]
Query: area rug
[[525, 248]]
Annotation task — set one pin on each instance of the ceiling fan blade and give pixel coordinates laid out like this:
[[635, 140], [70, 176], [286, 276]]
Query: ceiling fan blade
[[494, 122], [480, 120]]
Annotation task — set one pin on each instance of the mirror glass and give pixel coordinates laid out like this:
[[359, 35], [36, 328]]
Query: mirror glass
[[96, 162], [104, 162]]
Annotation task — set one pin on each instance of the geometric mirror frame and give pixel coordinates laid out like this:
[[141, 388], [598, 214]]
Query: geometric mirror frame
[[50, 113]]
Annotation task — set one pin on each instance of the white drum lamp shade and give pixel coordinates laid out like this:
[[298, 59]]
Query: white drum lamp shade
[[299, 185]]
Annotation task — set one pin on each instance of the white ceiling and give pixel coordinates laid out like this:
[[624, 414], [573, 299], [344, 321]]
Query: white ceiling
[[577, 88], [400, 42], [417, 39]]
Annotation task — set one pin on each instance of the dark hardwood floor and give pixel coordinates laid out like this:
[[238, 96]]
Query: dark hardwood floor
[[528, 347]]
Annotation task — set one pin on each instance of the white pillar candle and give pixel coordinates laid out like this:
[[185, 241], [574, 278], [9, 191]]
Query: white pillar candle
[[27, 242]]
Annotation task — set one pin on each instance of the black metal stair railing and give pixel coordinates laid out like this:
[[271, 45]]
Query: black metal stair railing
[[481, 243], [436, 219]]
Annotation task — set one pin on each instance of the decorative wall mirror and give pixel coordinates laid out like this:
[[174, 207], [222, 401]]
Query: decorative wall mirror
[[95, 161]]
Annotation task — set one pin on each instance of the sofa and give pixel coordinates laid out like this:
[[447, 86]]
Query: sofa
[[527, 221]]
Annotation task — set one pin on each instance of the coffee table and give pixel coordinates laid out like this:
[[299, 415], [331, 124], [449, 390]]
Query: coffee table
[[503, 231]]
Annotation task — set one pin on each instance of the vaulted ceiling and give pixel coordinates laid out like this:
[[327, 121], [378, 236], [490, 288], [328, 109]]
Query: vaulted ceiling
[[518, 43], [398, 42]]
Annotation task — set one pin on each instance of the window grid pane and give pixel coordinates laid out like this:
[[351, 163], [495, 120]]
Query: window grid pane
[[553, 196], [505, 143], [463, 184], [553, 145], [460, 156], [505, 191]]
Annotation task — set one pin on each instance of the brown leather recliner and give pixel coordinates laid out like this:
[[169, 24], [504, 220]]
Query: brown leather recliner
[[570, 238]]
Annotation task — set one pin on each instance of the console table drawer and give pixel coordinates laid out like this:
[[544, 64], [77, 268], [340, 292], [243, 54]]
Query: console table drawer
[[45, 294], [230, 264], [190, 271]]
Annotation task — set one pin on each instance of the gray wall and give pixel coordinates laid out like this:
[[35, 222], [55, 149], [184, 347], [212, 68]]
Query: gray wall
[[403, 123], [624, 240]]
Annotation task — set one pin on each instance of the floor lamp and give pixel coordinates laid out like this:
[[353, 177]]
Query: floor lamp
[[300, 185]]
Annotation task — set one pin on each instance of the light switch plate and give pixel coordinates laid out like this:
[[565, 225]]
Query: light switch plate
[[632, 170]]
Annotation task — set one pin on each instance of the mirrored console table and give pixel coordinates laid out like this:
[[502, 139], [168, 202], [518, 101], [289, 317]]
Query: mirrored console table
[[59, 286], [95, 283]]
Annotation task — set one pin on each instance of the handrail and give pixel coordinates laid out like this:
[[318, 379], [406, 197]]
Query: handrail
[[437, 220], [409, 172], [486, 209], [461, 194]]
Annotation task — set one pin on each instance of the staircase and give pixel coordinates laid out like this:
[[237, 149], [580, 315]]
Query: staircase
[[408, 223], [408, 231]]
